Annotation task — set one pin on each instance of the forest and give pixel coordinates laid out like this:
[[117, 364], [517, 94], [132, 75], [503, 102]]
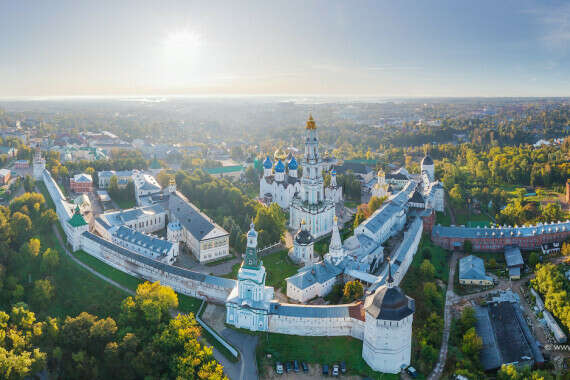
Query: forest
[[44, 331]]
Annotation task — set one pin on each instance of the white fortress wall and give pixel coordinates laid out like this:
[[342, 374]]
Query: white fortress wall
[[193, 284], [407, 250], [316, 326], [62, 208]]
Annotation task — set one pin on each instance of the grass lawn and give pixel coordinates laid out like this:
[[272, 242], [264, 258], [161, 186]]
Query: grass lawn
[[439, 258], [351, 204], [125, 203], [106, 270], [77, 290], [316, 349], [186, 303], [442, 218], [462, 217], [279, 266]]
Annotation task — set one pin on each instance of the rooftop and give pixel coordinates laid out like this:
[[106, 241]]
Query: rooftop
[[192, 219], [148, 242], [472, 268], [320, 272]]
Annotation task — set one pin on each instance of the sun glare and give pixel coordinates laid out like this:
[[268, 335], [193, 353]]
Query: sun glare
[[183, 46]]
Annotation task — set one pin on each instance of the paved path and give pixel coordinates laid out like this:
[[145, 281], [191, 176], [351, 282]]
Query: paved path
[[233, 370], [449, 296]]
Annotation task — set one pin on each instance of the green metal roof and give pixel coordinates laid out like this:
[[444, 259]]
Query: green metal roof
[[77, 219], [224, 169]]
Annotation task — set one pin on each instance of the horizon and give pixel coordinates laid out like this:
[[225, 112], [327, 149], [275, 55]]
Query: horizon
[[436, 49]]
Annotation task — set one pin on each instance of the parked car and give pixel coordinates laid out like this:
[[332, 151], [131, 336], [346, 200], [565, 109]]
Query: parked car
[[288, 366], [335, 370], [305, 367], [279, 368], [412, 371], [343, 367], [296, 366], [325, 369]]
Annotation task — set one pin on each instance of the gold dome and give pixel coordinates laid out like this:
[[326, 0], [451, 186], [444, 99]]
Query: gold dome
[[280, 155], [311, 123], [381, 173]]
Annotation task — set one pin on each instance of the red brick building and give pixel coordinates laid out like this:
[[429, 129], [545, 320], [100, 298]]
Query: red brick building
[[495, 239], [81, 183]]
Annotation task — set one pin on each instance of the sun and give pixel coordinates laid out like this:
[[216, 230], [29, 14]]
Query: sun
[[183, 46]]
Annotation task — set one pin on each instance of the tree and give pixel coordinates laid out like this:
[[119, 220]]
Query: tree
[[21, 227], [472, 343], [50, 260], [353, 290], [426, 253], [28, 183], [552, 212], [43, 293], [467, 246], [533, 259], [427, 270], [492, 263], [251, 175], [374, 203]]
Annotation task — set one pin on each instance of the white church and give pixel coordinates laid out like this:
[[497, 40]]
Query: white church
[[310, 204]]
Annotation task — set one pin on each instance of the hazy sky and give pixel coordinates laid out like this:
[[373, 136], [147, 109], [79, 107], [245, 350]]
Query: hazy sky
[[380, 48]]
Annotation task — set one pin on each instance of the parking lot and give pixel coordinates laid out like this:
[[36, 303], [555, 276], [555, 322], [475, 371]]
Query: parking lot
[[315, 372]]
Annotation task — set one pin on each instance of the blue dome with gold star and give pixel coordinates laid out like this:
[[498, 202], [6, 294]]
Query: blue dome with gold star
[[293, 165], [267, 164], [279, 167]]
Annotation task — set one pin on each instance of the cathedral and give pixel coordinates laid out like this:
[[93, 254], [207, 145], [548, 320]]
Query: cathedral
[[279, 182], [310, 204]]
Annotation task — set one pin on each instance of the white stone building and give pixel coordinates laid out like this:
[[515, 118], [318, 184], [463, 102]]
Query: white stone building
[[123, 177], [145, 185], [145, 219], [387, 342], [316, 280], [310, 204], [333, 191], [151, 246], [247, 306]]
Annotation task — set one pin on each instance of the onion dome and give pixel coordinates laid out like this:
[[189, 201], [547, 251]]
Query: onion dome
[[293, 165], [427, 160], [267, 164], [252, 231], [311, 123], [279, 155], [381, 173], [333, 172], [304, 236], [289, 156], [279, 167]]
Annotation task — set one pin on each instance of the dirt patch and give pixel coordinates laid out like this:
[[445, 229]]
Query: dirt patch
[[215, 316]]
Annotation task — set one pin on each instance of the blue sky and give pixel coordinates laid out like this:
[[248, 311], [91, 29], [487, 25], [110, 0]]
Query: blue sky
[[376, 48]]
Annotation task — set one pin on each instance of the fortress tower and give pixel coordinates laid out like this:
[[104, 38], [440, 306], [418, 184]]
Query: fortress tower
[[389, 314]]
